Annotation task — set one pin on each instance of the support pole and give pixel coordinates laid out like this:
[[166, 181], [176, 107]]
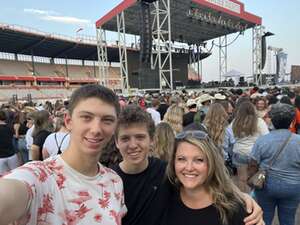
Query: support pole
[[257, 33], [102, 56], [123, 52], [161, 35], [222, 57]]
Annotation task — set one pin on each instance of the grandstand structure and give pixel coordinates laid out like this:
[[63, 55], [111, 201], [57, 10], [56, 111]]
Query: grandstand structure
[[39, 65]]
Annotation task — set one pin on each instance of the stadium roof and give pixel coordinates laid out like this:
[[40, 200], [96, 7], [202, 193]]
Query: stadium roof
[[20, 40], [192, 21], [27, 41]]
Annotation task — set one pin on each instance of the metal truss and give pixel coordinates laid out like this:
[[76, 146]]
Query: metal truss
[[222, 56], [123, 52], [161, 34], [102, 56], [257, 33]]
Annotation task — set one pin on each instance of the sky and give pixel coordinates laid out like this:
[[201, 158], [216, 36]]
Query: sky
[[66, 16]]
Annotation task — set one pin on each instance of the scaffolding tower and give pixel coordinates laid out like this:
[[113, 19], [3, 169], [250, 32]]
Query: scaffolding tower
[[222, 57], [123, 52], [257, 33], [161, 33], [102, 56]]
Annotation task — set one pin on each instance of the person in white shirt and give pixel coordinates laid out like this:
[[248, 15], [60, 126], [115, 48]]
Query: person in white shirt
[[28, 135], [57, 142], [153, 111]]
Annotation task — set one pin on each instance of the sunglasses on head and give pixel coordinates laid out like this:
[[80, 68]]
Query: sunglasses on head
[[200, 135]]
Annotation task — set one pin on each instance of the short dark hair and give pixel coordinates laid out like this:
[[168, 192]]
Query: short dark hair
[[291, 94], [282, 115], [93, 91], [133, 114], [155, 102], [3, 116], [272, 99], [285, 99]]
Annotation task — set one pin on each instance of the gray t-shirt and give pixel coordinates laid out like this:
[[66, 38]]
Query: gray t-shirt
[[287, 165]]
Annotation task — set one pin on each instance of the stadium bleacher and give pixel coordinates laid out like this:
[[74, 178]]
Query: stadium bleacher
[[52, 72]]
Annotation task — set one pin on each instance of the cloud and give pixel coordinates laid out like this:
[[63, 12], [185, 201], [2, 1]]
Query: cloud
[[67, 20], [56, 17], [39, 12]]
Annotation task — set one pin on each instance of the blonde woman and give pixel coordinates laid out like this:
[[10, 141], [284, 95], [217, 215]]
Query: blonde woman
[[261, 107], [246, 127], [204, 192], [174, 117], [163, 141], [216, 122]]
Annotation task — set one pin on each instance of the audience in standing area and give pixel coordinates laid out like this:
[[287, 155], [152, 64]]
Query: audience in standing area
[[193, 134]]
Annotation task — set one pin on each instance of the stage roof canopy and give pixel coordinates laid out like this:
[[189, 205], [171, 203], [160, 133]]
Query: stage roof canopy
[[192, 21]]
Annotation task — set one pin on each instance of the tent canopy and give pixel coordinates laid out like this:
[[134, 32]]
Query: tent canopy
[[233, 73]]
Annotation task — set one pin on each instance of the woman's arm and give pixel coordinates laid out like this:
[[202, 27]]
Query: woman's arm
[[16, 129], [255, 211], [35, 152], [45, 153]]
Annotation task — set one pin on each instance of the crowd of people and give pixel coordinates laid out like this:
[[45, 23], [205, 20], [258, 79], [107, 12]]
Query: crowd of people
[[159, 159]]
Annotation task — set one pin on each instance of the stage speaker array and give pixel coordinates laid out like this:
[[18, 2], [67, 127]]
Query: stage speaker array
[[145, 33], [263, 52]]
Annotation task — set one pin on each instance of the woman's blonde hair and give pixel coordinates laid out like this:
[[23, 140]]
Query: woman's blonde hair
[[245, 121], [261, 99], [218, 182], [164, 139], [216, 123], [173, 117]]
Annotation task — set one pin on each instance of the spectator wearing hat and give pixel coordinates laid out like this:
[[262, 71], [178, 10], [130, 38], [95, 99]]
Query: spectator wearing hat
[[204, 101], [282, 185], [188, 118], [219, 97]]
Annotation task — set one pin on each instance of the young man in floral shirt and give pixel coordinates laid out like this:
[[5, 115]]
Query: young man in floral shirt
[[71, 188]]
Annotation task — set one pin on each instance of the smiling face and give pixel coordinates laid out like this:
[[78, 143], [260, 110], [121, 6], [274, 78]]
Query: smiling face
[[260, 105], [191, 166], [92, 124], [134, 143]]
